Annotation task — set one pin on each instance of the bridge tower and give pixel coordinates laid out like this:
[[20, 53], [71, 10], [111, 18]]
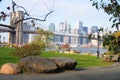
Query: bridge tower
[[16, 36]]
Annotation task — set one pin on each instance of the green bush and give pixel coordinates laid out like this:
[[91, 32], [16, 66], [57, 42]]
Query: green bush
[[27, 50]]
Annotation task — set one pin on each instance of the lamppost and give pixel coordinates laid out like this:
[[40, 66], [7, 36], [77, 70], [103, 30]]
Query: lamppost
[[0, 39], [98, 37]]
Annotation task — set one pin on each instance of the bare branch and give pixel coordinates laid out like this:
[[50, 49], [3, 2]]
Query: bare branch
[[15, 5], [6, 26], [37, 19]]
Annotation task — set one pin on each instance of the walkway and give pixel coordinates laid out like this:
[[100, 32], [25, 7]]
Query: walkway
[[103, 73]]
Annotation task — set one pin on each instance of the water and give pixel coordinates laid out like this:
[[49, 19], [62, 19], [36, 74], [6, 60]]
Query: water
[[90, 50]]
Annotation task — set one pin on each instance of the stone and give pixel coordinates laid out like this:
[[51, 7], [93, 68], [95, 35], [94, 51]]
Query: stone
[[115, 58], [34, 64], [106, 58], [65, 63], [9, 68]]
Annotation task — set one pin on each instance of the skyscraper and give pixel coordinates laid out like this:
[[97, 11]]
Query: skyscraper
[[85, 33], [79, 26], [63, 26], [28, 38], [51, 27], [85, 29], [94, 29]]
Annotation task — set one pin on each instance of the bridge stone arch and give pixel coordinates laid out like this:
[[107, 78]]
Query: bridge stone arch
[[16, 36]]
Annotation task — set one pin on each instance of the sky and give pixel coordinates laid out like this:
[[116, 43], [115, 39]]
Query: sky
[[70, 10]]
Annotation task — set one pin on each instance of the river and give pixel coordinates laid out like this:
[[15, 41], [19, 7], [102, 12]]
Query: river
[[90, 50]]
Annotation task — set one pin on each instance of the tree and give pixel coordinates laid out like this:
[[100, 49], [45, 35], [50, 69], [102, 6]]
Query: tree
[[112, 8], [112, 42], [42, 38], [27, 17]]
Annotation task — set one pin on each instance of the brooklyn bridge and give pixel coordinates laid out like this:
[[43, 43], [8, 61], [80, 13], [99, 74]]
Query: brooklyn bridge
[[16, 34]]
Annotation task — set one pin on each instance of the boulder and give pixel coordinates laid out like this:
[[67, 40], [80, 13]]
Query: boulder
[[65, 63], [9, 68], [106, 58], [115, 58], [34, 64]]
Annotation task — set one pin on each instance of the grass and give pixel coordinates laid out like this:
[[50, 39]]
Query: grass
[[83, 60], [5, 56]]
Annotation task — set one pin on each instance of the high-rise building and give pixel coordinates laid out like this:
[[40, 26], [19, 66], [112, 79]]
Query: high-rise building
[[85, 33], [68, 28], [51, 27], [85, 29], [75, 40], [28, 38], [79, 26], [63, 27], [94, 29]]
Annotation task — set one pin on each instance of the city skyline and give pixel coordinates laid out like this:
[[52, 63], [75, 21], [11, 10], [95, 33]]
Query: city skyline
[[72, 11]]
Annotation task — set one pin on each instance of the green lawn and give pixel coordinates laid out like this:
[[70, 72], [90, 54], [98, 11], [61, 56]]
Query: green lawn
[[5, 57], [83, 60]]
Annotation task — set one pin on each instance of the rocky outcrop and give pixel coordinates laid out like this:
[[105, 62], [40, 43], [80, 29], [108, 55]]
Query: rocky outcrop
[[65, 63], [9, 68], [106, 58], [34, 64], [115, 58]]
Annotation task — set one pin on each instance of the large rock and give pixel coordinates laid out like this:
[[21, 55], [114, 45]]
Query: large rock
[[34, 64], [9, 68], [106, 58], [65, 63], [115, 58]]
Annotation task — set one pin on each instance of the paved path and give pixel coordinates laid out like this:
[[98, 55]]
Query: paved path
[[103, 73]]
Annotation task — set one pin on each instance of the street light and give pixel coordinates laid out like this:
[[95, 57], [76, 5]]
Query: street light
[[98, 39], [0, 39], [98, 52]]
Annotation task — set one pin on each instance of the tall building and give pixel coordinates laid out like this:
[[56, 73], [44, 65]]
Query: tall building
[[85, 33], [28, 38], [68, 30], [51, 27], [85, 40], [63, 27], [85, 29], [75, 40], [94, 29], [79, 26]]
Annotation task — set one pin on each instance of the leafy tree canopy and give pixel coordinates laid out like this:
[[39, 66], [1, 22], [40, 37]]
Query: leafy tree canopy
[[111, 7]]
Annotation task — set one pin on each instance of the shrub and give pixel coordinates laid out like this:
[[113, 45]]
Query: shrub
[[66, 47], [27, 50], [112, 42]]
